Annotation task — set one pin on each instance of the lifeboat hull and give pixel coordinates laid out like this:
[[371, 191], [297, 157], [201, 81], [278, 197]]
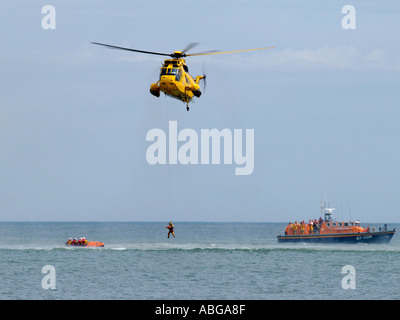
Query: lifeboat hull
[[367, 237]]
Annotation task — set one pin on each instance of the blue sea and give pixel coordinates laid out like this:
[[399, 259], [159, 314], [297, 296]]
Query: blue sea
[[210, 261]]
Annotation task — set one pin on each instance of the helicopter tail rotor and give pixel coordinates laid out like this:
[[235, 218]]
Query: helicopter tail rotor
[[204, 78], [204, 82]]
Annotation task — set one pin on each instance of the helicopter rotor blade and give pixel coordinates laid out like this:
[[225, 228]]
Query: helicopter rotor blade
[[221, 52], [190, 46], [203, 53], [129, 49]]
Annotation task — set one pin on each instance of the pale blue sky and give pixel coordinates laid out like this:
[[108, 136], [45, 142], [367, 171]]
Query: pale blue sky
[[324, 105]]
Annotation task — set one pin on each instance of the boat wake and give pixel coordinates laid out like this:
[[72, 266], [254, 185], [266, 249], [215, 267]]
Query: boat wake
[[267, 246], [272, 247]]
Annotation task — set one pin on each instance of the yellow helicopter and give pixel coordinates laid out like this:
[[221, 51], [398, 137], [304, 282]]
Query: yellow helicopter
[[175, 80]]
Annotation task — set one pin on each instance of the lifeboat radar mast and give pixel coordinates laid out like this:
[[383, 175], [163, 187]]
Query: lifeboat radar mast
[[327, 212]]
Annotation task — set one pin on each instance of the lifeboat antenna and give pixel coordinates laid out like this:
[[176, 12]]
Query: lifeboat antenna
[[348, 203]]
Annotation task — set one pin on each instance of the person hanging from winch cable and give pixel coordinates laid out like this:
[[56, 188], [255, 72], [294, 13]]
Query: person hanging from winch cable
[[170, 228]]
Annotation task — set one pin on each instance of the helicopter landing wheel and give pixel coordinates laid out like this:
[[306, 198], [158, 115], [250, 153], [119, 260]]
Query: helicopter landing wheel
[[187, 108]]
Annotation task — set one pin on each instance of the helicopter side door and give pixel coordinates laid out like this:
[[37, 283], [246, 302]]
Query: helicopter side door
[[187, 83]]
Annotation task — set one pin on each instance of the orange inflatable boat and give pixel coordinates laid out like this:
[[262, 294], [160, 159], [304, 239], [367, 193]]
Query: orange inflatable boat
[[82, 242]]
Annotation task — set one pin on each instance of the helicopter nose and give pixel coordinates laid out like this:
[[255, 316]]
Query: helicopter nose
[[167, 83], [167, 79]]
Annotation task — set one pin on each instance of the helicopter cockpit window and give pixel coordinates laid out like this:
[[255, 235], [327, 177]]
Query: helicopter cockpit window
[[178, 75], [169, 71]]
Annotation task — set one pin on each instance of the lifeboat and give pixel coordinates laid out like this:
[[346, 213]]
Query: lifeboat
[[325, 230], [82, 242]]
